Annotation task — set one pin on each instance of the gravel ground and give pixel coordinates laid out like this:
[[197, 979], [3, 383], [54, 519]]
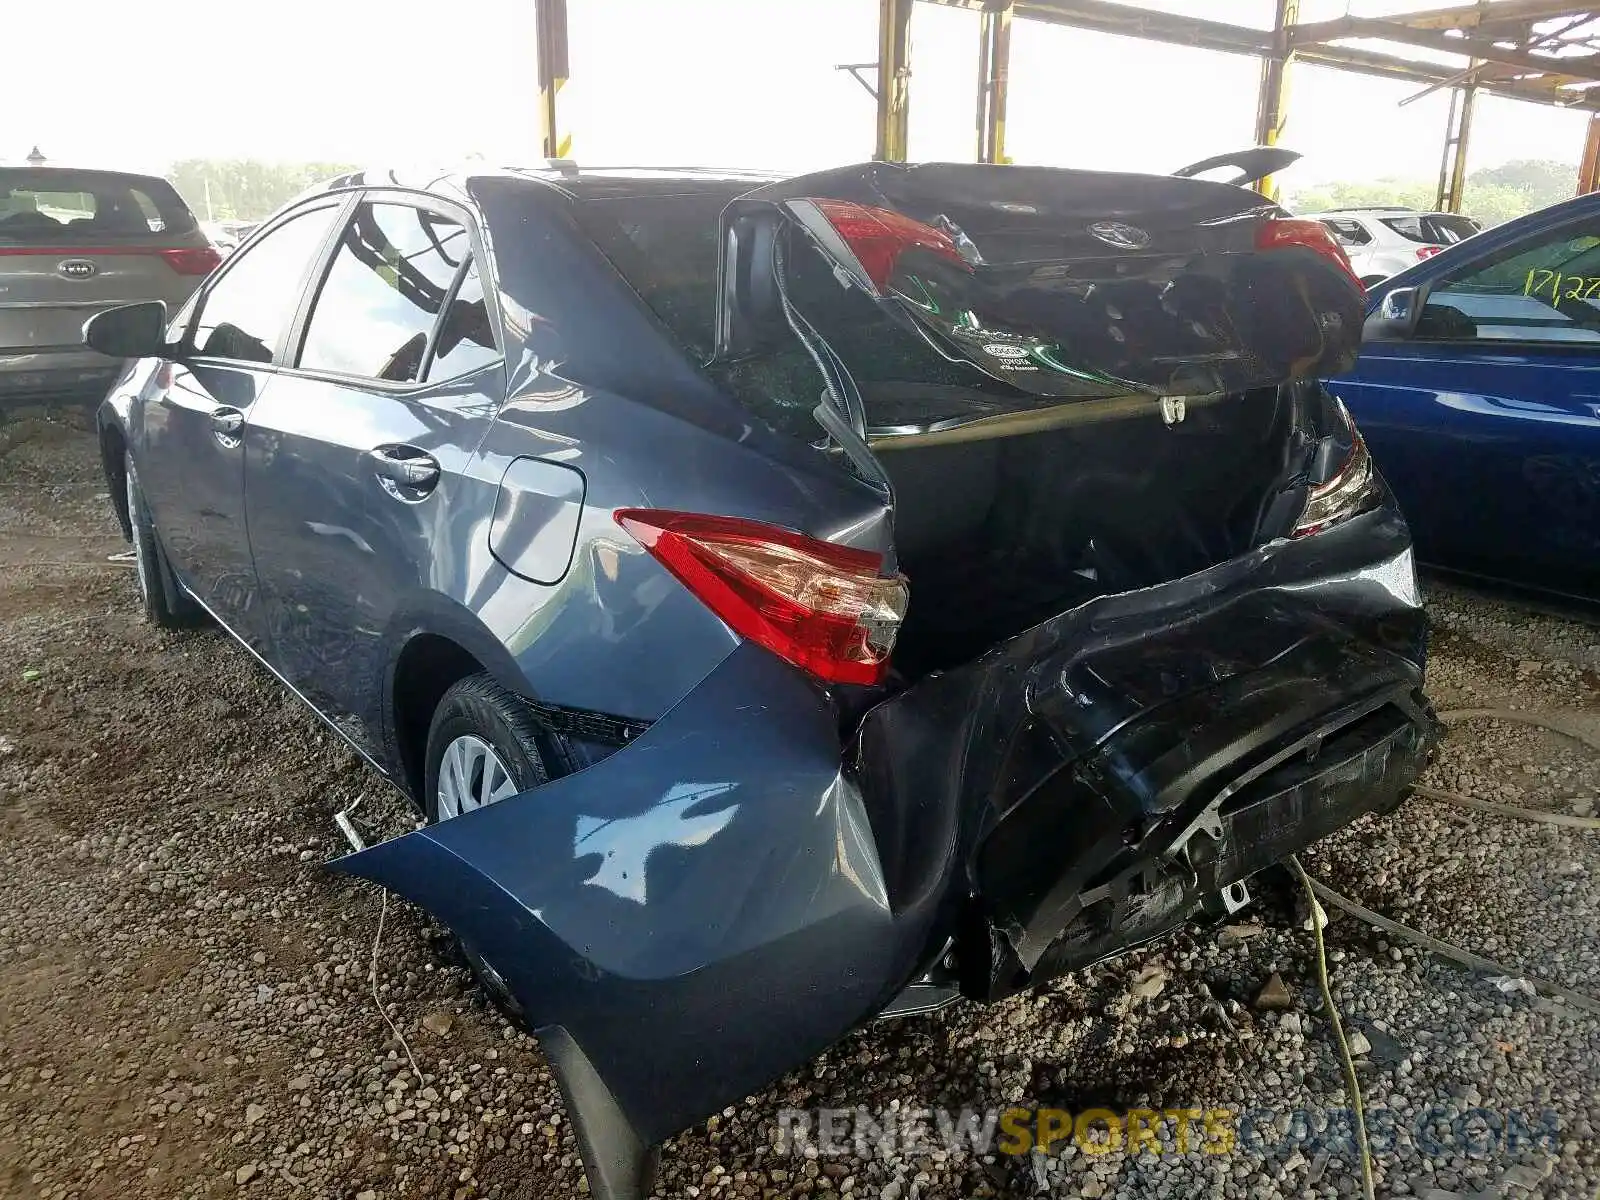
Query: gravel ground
[[186, 998]]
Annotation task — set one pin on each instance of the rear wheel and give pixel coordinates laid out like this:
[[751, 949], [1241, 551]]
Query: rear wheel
[[483, 747], [162, 600]]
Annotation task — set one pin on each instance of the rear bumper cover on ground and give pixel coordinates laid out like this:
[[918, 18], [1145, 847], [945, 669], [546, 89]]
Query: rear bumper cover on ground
[[713, 905]]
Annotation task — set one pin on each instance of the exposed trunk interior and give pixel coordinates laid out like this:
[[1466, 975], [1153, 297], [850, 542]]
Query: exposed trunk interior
[[997, 535]]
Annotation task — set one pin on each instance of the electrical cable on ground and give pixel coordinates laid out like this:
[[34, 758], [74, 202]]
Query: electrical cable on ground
[[1317, 891], [372, 978], [1351, 1083], [1474, 962], [1505, 810], [357, 844], [1565, 728]]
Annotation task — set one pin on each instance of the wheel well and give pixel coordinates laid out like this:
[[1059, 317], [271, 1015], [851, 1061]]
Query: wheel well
[[428, 666], [113, 451]]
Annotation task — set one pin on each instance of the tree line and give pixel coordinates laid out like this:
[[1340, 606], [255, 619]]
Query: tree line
[[244, 189], [1492, 194]]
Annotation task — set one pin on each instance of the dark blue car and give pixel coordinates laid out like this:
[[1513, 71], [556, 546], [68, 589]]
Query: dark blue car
[[789, 601], [1478, 390]]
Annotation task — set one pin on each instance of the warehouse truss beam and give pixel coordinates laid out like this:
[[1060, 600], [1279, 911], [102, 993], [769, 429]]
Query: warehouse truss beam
[[1539, 51]]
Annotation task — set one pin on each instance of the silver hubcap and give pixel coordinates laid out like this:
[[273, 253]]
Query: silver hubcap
[[139, 568], [471, 775]]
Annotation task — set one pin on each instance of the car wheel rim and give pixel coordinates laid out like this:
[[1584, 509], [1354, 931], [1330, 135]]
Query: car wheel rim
[[471, 775], [141, 570]]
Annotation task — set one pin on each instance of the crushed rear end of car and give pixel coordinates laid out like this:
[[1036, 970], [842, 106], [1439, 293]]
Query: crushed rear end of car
[[1163, 631]]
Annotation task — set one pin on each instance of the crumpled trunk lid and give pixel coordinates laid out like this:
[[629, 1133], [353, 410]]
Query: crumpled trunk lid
[[1028, 286]]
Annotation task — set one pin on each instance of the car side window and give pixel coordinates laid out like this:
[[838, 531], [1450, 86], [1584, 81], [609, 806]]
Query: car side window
[[1348, 233], [385, 289], [1545, 289], [466, 336], [248, 309]]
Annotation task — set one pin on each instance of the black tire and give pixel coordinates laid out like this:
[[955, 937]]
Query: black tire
[[162, 600], [479, 707]]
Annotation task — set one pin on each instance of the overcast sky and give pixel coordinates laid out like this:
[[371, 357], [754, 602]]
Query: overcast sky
[[681, 82]]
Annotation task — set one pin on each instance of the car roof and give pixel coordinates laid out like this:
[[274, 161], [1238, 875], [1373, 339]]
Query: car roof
[[569, 177]]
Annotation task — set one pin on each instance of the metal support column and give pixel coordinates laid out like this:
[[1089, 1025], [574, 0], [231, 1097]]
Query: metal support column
[[1589, 170], [550, 17], [1272, 107], [1453, 166], [894, 78], [994, 68]]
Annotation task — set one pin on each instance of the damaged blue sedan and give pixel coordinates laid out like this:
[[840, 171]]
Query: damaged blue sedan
[[788, 601]]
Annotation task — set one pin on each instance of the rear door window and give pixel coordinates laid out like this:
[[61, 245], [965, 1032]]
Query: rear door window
[[249, 308], [1347, 232], [51, 206], [387, 285]]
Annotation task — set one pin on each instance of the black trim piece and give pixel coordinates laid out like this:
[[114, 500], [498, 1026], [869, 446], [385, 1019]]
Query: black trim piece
[[311, 285], [341, 206], [587, 726], [450, 294]]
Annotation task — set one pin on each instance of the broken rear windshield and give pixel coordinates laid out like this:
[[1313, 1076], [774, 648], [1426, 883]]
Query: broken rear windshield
[[46, 206], [667, 246]]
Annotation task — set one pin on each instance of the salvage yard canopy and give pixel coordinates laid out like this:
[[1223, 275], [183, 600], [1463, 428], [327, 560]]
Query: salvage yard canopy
[[1543, 51]]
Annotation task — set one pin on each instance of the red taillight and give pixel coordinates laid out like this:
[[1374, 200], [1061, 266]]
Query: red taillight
[[1308, 235], [185, 260], [820, 606], [878, 236], [1428, 252], [192, 260]]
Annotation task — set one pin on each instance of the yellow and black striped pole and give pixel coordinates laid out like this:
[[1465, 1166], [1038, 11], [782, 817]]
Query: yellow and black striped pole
[[994, 69], [551, 17], [1272, 107], [894, 79]]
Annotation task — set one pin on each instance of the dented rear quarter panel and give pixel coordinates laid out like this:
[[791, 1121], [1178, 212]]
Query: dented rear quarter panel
[[714, 904]]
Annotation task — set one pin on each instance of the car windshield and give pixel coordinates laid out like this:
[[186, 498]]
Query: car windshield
[[48, 206], [1433, 229]]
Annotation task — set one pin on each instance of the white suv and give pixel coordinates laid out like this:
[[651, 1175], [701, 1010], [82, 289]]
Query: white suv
[[1385, 241]]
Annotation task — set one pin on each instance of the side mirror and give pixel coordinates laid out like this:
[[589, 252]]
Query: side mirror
[[129, 330], [1396, 317]]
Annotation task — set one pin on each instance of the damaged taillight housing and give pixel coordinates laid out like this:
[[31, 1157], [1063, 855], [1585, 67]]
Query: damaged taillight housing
[[1353, 489], [823, 607], [1302, 233], [877, 237]]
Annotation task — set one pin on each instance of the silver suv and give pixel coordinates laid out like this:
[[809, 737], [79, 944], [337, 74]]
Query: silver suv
[[1384, 241], [72, 243]]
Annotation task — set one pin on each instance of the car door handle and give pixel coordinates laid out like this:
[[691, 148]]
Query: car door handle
[[405, 465], [227, 421]]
